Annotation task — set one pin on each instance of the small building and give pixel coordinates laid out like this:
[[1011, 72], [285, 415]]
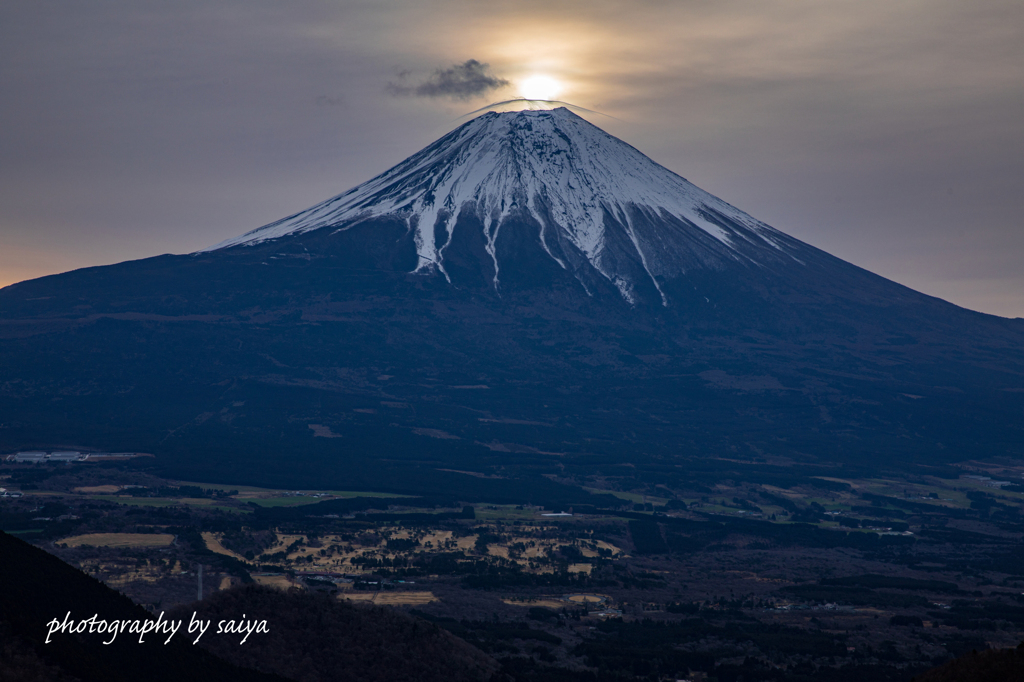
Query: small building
[[65, 456], [31, 456]]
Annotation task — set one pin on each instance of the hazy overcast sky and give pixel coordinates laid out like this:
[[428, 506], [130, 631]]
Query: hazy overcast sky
[[887, 132]]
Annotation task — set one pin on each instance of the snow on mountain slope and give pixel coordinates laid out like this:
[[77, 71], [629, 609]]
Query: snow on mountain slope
[[586, 190]]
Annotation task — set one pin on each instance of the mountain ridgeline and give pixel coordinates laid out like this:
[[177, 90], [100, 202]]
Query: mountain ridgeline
[[528, 295]]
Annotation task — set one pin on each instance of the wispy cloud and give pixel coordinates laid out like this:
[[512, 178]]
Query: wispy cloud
[[459, 82]]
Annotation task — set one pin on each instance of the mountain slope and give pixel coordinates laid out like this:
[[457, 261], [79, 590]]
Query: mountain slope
[[619, 321]]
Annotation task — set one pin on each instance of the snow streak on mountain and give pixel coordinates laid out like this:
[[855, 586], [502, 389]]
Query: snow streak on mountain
[[588, 199]]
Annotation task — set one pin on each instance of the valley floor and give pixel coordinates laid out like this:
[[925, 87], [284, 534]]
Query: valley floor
[[845, 578]]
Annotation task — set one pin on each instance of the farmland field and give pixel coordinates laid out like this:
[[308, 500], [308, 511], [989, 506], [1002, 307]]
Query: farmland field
[[134, 540]]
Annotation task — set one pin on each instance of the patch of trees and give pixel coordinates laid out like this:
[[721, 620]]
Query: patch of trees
[[686, 608], [646, 536], [484, 634], [542, 614], [981, 615], [249, 544], [957, 536], [491, 577], [30, 478], [854, 596], [878, 512], [917, 507], [650, 649], [190, 537], [682, 536], [978, 664], [874, 581]]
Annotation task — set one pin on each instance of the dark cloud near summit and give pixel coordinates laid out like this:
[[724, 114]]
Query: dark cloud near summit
[[460, 82]]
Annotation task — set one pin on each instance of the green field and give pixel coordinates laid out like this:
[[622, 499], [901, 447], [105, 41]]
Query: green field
[[635, 498], [282, 501], [170, 502], [504, 512]]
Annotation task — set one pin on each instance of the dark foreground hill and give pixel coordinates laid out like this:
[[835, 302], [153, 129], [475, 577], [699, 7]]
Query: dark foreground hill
[[36, 587], [311, 636], [998, 665], [316, 638], [514, 300]]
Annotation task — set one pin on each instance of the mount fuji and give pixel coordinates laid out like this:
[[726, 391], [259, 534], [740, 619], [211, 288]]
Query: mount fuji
[[527, 293], [595, 206]]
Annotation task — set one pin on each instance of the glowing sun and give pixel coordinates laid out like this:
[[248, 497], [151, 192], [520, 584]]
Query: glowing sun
[[540, 87]]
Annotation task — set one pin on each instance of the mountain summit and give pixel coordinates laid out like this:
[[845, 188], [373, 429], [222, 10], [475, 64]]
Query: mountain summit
[[550, 182]]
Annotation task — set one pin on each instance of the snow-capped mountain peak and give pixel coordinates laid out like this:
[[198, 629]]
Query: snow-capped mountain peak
[[585, 196]]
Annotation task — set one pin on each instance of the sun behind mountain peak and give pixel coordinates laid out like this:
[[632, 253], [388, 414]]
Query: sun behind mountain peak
[[540, 86]]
